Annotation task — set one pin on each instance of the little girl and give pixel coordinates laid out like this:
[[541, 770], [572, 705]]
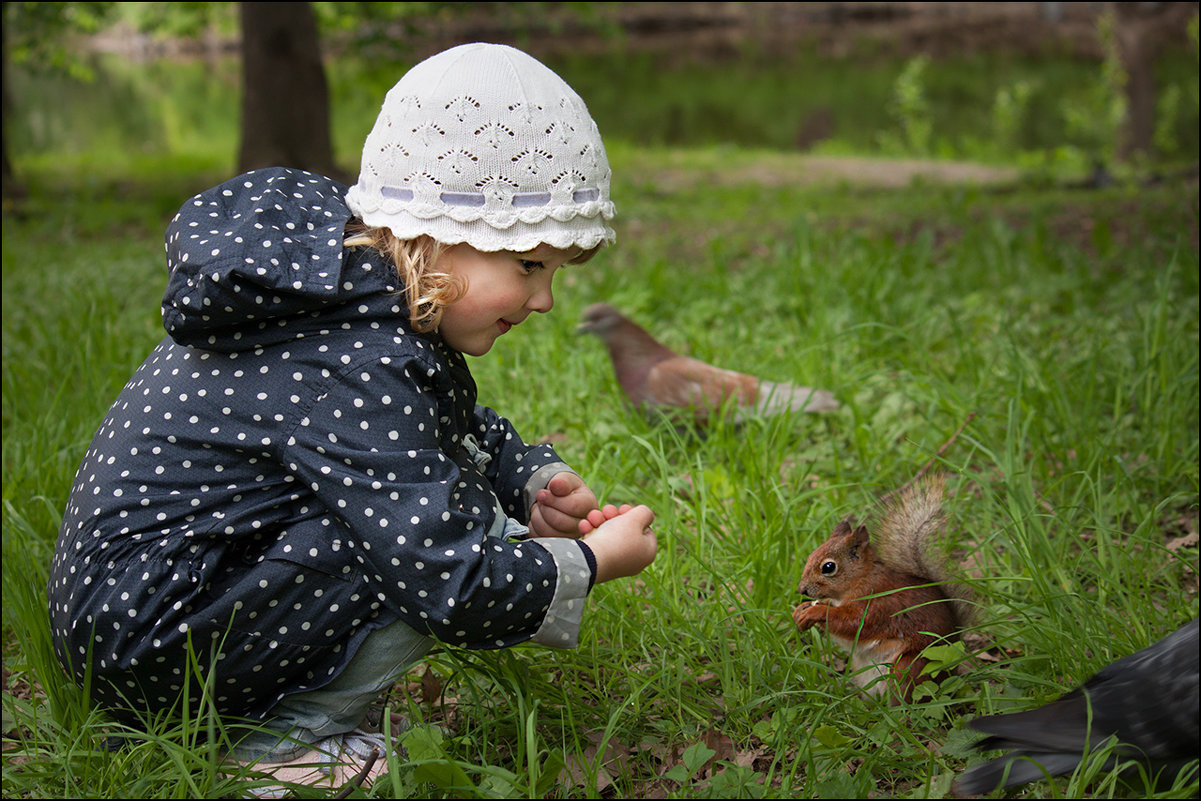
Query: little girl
[[296, 495]]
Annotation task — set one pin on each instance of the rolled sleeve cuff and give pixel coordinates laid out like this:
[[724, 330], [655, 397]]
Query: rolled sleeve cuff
[[561, 626], [541, 478]]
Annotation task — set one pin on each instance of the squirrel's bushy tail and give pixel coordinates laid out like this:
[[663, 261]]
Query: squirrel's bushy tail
[[909, 537]]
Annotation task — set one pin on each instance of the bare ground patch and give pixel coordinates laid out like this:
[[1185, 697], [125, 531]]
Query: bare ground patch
[[780, 170]]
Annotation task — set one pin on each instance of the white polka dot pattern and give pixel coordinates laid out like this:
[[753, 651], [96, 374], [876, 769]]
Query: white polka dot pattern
[[286, 473]]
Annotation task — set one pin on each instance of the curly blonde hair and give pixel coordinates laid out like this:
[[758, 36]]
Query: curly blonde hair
[[426, 290]]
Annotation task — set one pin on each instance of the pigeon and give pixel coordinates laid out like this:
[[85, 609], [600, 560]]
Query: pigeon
[[1148, 700], [658, 379]]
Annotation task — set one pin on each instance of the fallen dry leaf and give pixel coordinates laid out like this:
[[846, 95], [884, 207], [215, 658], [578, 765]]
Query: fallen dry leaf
[[1187, 541], [431, 687], [746, 759], [722, 747]]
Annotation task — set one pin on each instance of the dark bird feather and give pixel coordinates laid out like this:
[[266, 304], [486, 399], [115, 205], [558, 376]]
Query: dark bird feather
[[1147, 700]]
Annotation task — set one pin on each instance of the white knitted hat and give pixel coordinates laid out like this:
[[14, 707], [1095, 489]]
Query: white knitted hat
[[484, 144]]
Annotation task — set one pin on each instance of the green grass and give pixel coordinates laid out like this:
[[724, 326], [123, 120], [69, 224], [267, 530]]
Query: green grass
[[1067, 323]]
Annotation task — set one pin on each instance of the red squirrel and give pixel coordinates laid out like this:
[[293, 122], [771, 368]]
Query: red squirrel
[[886, 633]]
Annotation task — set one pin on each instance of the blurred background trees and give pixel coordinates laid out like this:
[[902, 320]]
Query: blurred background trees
[[284, 52]]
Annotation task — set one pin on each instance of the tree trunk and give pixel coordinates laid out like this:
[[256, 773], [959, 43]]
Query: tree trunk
[[1142, 29], [285, 99], [12, 188]]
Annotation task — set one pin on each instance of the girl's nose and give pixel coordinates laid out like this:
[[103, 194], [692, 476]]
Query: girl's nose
[[543, 299]]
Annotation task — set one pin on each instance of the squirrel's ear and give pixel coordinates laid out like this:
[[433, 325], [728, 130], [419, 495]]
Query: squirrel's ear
[[859, 539], [844, 528]]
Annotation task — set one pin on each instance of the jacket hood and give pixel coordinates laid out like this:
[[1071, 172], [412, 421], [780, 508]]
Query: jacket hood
[[260, 247]]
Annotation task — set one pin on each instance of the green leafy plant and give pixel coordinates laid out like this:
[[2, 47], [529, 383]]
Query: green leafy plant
[[910, 108]]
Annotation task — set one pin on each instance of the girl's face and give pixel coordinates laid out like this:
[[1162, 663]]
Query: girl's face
[[503, 289]]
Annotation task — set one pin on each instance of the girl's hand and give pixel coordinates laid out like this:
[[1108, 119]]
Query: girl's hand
[[598, 516], [623, 543], [562, 509]]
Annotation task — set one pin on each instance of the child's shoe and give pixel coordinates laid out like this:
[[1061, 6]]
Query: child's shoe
[[356, 756]]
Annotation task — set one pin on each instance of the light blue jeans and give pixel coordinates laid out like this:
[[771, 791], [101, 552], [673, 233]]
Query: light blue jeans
[[300, 720]]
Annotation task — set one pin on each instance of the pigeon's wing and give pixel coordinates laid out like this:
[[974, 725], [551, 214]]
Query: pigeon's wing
[[1148, 700], [685, 382], [1061, 725], [1013, 769]]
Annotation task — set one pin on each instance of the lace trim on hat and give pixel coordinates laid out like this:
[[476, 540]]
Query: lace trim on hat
[[519, 200], [465, 207], [581, 233]]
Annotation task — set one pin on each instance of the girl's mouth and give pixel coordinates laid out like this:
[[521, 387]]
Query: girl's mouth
[[504, 326]]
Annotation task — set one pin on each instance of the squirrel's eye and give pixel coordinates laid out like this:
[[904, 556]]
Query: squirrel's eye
[[829, 568]]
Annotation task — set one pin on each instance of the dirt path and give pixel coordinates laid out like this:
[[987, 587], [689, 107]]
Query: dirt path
[[889, 173], [684, 170]]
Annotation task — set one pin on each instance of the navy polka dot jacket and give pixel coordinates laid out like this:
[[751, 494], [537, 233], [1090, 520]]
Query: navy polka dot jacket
[[290, 469]]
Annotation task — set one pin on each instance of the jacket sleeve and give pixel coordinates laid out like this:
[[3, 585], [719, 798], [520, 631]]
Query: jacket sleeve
[[517, 470], [368, 448]]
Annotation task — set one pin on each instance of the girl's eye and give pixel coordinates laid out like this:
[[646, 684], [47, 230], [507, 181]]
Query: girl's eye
[[529, 265]]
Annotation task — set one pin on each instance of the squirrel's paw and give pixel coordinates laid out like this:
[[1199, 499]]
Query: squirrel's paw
[[809, 613]]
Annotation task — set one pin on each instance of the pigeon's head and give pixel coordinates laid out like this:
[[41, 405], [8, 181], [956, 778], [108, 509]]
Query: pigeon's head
[[599, 319]]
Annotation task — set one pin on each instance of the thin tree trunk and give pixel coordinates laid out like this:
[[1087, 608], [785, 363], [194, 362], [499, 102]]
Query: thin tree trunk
[[12, 188], [285, 99], [1142, 30]]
